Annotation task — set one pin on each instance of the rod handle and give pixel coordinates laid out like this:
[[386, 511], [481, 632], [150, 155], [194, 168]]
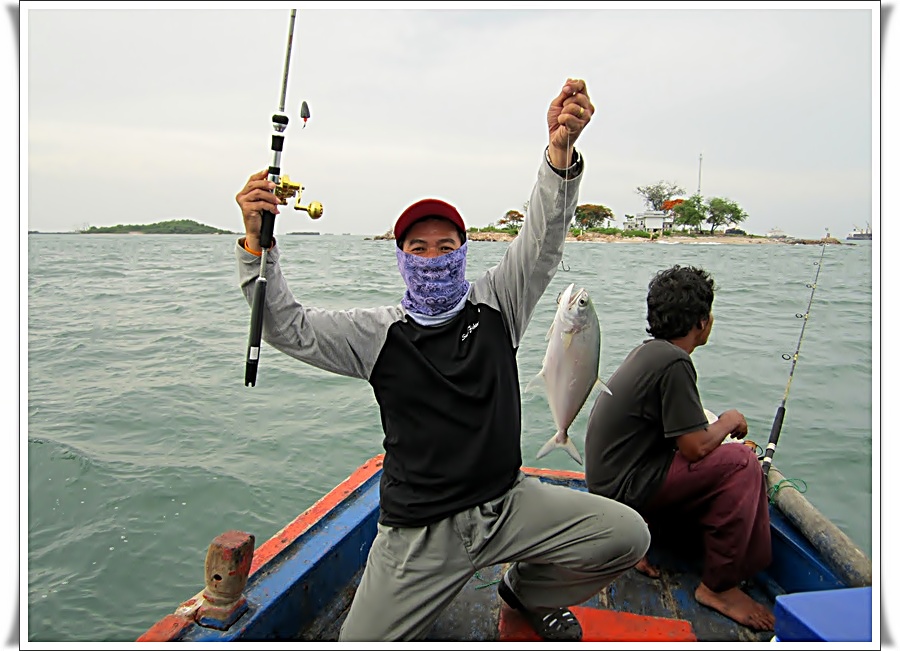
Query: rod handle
[[267, 229], [773, 439], [256, 322]]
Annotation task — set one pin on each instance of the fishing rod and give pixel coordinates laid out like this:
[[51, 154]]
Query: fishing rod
[[779, 414], [284, 189]]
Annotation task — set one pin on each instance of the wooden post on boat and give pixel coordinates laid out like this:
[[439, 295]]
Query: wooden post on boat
[[227, 569], [839, 551]]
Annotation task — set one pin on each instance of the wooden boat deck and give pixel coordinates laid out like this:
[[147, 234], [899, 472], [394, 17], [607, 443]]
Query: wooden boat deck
[[630, 609]]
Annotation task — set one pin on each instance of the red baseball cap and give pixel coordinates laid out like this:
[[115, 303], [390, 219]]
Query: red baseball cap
[[427, 208]]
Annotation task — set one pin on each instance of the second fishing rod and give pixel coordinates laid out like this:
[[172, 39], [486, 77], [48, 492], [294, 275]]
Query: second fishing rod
[[779, 414], [284, 189]]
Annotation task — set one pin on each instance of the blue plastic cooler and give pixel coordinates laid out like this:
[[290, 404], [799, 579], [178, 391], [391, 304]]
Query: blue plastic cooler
[[843, 615]]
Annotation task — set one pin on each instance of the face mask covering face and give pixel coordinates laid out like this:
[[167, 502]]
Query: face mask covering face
[[433, 285]]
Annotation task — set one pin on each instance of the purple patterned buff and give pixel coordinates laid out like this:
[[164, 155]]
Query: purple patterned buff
[[433, 285]]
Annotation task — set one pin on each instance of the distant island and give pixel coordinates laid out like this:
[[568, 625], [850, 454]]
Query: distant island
[[171, 227]]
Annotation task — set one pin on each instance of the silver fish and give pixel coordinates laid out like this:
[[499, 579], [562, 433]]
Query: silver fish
[[571, 365]]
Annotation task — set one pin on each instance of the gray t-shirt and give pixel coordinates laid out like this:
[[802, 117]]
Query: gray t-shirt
[[630, 440]]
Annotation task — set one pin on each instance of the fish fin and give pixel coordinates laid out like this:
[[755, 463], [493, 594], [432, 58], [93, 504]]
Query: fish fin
[[566, 339], [534, 381], [550, 331], [554, 443], [600, 383]]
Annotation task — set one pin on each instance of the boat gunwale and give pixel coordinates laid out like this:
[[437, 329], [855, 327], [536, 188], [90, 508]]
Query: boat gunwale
[[288, 535], [175, 627]]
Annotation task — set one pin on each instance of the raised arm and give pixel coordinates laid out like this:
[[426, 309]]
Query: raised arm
[[346, 342], [519, 280], [568, 115]]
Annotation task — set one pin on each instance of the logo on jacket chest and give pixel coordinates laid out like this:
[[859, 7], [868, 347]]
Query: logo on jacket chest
[[469, 330]]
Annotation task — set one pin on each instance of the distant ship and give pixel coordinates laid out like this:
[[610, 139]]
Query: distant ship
[[860, 234], [776, 233]]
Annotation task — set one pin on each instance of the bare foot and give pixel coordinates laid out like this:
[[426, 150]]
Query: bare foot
[[738, 605], [646, 569]]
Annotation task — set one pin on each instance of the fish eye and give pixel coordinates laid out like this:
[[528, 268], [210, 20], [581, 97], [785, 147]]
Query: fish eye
[[582, 302]]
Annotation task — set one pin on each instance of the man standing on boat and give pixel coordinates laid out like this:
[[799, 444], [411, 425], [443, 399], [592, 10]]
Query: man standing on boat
[[442, 365], [651, 446]]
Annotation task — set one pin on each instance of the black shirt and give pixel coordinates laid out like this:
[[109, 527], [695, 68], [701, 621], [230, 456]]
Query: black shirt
[[630, 441]]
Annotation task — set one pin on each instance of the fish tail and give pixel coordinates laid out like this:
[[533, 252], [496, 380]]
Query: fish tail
[[573, 451], [560, 440], [547, 447]]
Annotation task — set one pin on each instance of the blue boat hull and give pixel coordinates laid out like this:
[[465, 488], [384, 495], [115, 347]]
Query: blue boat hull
[[304, 578]]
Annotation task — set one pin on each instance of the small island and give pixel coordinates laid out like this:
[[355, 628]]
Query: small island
[[171, 227]]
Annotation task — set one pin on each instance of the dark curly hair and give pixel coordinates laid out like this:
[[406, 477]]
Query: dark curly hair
[[677, 300]]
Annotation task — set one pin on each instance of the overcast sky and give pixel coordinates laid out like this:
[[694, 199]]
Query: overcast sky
[[136, 113], [143, 112]]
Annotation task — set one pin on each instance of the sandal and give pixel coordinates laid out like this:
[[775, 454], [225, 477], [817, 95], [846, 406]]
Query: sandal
[[557, 625]]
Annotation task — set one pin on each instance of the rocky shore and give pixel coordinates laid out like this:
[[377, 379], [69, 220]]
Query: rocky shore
[[699, 239], [672, 239]]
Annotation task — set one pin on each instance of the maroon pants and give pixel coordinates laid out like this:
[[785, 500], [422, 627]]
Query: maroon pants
[[725, 494]]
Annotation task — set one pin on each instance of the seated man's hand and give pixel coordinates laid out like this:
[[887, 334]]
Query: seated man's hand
[[736, 422]]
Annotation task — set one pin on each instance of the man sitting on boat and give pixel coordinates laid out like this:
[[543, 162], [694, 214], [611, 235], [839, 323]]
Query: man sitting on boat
[[650, 445], [442, 365]]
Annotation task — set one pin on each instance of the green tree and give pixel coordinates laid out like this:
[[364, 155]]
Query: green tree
[[589, 215], [722, 212], [656, 195], [512, 219], [690, 212]]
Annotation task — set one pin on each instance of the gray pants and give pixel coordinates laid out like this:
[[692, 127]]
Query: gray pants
[[567, 545]]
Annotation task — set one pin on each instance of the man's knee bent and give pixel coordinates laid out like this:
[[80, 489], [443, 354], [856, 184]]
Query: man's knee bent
[[628, 537], [640, 537]]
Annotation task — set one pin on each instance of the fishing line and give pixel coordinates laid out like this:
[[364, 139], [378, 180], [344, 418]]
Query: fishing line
[[779, 414]]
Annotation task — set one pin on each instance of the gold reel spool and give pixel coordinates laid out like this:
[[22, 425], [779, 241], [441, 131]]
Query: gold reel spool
[[287, 189]]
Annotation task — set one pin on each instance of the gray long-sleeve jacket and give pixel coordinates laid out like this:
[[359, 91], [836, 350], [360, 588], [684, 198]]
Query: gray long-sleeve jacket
[[448, 394]]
